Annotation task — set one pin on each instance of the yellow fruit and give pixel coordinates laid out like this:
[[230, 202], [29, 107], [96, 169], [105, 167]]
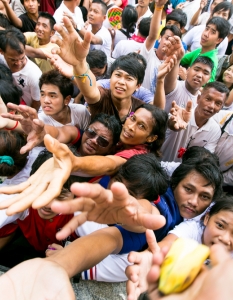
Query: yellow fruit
[[181, 265]]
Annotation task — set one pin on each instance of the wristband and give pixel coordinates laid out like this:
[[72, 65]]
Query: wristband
[[83, 76], [17, 122], [159, 8]]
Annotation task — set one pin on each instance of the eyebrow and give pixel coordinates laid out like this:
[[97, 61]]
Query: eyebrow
[[51, 93], [223, 221]]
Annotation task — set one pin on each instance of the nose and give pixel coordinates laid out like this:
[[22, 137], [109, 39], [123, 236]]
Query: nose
[[225, 238], [131, 126], [193, 201], [211, 104], [94, 140], [47, 99]]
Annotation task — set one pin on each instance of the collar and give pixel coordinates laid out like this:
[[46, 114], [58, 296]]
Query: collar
[[137, 38]]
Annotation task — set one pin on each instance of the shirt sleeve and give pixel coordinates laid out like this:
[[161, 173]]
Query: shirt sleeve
[[144, 94]]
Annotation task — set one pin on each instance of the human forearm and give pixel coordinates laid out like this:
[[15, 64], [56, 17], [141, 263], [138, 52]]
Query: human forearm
[[98, 165], [88, 251], [11, 15], [194, 20], [159, 96], [171, 79], [154, 27], [34, 53]]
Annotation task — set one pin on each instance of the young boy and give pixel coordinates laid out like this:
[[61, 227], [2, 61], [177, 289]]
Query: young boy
[[27, 21]]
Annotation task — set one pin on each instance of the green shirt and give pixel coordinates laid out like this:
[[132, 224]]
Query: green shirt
[[189, 58]]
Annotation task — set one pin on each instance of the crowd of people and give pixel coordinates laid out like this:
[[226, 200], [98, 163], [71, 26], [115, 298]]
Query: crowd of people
[[116, 124]]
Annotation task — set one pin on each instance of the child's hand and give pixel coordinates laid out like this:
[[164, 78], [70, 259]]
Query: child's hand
[[52, 249]]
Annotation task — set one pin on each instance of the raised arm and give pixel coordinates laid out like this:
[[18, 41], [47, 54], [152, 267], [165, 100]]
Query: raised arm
[[155, 24], [194, 20], [11, 14], [73, 50], [173, 46]]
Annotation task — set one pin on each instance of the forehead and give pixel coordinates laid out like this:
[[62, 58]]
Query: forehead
[[122, 72], [50, 88], [144, 115], [213, 93], [96, 6], [42, 20], [101, 129], [174, 22], [12, 52], [211, 26], [201, 66], [168, 33]]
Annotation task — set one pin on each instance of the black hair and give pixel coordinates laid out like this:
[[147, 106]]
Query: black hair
[[10, 92], [204, 60], [218, 86], [199, 153], [143, 176], [160, 118], [96, 59], [5, 73], [4, 22], [64, 84], [22, 1], [51, 19], [130, 65], [129, 19], [224, 6], [225, 202], [13, 38], [110, 122], [11, 143], [174, 29], [103, 6], [43, 156], [207, 169], [139, 57], [222, 26], [144, 27], [179, 16]]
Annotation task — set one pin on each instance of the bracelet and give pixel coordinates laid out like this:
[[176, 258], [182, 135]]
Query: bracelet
[[159, 8], [17, 122], [83, 76]]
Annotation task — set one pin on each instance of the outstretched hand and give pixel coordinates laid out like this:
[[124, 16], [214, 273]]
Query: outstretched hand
[[142, 261], [30, 124], [166, 66], [173, 46], [44, 185], [72, 49], [180, 116], [104, 207], [36, 279]]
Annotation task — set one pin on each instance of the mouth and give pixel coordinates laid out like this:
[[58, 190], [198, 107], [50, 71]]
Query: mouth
[[47, 108], [197, 81], [190, 210], [90, 148], [207, 112], [45, 211], [126, 133], [119, 90]]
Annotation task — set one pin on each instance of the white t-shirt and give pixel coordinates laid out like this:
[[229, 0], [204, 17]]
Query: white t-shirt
[[181, 95], [190, 8], [207, 136], [24, 174], [169, 166], [119, 37], [105, 35], [80, 117], [189, 229], [126, 46], [77, 15], [147, 14], [193, 38], [153, 64], [28, 80], [203, 18]]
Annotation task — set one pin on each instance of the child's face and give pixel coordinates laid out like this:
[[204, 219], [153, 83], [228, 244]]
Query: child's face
[[46, 212], [193, 195], [219, 229]]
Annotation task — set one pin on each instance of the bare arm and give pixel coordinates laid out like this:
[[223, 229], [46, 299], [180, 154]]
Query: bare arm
[[194, 20], [11, 15], [73, 50], [34, 53]]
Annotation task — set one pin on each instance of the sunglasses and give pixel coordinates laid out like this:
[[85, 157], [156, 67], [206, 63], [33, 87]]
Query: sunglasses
[[101, 141]]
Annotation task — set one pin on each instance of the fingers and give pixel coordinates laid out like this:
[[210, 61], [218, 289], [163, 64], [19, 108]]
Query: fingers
[[87, 40], [151, 241], [14, 189], [189, 106], [71, 206], [150, 221], [70, 227], [58, 149]]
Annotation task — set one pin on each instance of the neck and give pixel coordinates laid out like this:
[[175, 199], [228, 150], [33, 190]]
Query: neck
[[63, 116], [207, 49], [190, 89], [141, 10], [71, 5], [96, 28], [199, 119], [228, 84], [43, 42], [123, 106], [160, 54], [33, 17]]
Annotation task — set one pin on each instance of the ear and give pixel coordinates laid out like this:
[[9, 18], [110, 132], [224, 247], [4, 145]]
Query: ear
[[206, 219], [138, 86], [219, 40], [67, 100], [52, 33], [151, 138]]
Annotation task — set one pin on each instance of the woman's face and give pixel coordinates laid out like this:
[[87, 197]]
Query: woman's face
[[219, 229], [193, 195], [228, 76], [137, 128]]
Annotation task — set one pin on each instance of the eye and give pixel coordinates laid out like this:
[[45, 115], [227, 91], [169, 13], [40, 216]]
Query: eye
[[219, 225], [205, 197], [141, 126], [132, 118], [187, 189]]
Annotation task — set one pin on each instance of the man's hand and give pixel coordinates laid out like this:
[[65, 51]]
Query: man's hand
[[166, 66], [203, 4], [30, 124], [43, 186], [104, 207], [137, 273], [36, 279], [64, 68], [180, 116], [174, 46], [73, 50]]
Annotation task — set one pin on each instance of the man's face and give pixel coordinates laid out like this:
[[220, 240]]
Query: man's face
[[16, 61], [98, 72], [173, 22], [222, 14], [210, 37], [52, 101], [214, 3], [43, 29], [122, 84], [168, 33], [95, 14], [91, 141], [210, 102], [31, 6], [198, 75], [143, 3]]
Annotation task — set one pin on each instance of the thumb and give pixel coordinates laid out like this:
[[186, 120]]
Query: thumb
[[189, 106], [55, 147], [151, 241]]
